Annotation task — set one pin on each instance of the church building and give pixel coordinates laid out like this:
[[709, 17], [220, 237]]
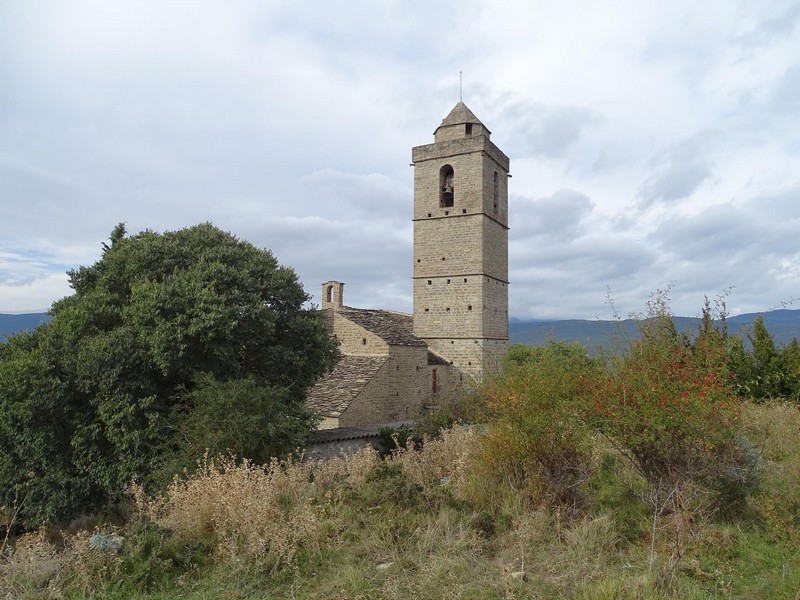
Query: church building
[[394, 364]]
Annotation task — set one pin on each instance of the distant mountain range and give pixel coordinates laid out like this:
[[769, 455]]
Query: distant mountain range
[[783, 324], [13, 323]]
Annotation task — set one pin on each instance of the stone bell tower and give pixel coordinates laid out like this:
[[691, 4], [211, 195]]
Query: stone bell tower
[[461, 244]]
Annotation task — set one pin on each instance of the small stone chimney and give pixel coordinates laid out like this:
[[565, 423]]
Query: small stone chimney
[[332, 295]]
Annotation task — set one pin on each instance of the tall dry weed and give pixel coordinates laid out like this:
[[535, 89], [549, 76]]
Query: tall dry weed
[[444, 462], [336, 474], [85, 564], [32, 565], [247, 510]]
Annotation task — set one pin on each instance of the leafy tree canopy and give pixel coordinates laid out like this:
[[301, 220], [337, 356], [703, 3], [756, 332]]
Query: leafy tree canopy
[[162, 324]]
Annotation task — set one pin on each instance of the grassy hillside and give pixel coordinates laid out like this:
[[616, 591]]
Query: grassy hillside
[[425, 524]]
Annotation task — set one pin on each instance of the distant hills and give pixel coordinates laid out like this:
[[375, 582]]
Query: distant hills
[[783, 324], [13, 323]]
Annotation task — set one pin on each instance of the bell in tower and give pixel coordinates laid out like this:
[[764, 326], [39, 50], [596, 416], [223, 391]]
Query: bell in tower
[[446, 176]]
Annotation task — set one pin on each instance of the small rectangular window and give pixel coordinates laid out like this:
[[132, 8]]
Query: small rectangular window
[[468, 129]]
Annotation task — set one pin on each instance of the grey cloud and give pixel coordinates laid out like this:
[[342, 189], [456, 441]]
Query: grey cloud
[[726, 247], [716, 233], [780, 207], [779, 25], [678, 171], [373, 257], [557, 274], [599, 259], [674, 182], [8, 279], [728, 234], [785, 97], [560, 216], [360, 195], [539, 129]]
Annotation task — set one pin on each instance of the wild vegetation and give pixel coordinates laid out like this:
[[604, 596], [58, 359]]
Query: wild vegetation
[[637, 475]]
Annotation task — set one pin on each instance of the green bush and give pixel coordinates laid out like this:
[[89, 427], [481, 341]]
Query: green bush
[[92, 399], [765, 372], [536, 437], [668, 405], [241, 418]]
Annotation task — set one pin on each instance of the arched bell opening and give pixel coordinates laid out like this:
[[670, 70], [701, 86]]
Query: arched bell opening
[[446, 186]]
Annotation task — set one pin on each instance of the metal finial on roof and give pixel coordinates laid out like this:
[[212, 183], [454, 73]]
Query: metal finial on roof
[[460, 88]]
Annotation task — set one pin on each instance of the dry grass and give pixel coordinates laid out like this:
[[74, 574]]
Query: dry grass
[[33, 565], [775, 427], [443, 462], [256, 512], [337, 529]]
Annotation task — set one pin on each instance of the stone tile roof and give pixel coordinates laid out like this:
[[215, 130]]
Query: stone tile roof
[[392, 327], [460, 114], [322, 436], [332, 394], [435, 359]]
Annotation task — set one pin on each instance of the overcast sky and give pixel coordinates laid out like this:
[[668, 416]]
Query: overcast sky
[[650, 142]]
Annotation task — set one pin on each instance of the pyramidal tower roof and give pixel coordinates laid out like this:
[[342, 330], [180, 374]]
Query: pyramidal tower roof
[[460, 115]]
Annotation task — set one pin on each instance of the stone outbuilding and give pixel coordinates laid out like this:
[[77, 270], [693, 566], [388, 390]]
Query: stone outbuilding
[[385, 373]]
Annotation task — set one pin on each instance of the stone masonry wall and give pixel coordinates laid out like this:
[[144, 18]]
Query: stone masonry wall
[[408, 382], [454, 132], [449, 246], [466, 354], [370, 405], [495, 313], [494, 250], [473, 160], [354, 339], [448, 307]]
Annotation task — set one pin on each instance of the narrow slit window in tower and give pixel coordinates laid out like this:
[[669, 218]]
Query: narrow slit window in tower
[[496, 192], [433, 381], [446, 186], [468, 129]]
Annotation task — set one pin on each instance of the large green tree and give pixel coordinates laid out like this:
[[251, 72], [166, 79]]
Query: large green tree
[[169, 343]]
